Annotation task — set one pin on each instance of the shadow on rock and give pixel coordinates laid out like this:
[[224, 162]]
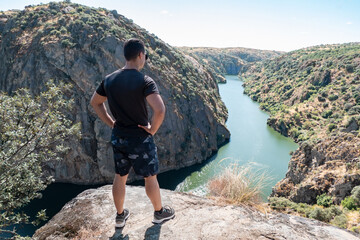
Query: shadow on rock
[[153, 232], [118, 235]]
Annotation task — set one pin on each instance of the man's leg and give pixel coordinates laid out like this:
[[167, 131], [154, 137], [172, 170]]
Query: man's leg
[[153, 192], [118, 192]]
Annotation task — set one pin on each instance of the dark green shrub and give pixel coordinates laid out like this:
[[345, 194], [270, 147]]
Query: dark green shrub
[[321, 99], [333, 97], [349, 203], [326, 113], [323, 199], [324, 94], [331, 127], [66, 43]]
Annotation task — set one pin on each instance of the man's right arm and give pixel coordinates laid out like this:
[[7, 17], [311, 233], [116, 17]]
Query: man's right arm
[[157, 105], [97, 102]]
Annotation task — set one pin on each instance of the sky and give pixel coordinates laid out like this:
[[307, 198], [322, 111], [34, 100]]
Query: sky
[[282, 25]]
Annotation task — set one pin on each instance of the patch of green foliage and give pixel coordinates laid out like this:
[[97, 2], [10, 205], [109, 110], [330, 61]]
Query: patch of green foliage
[[33, 130], [324, 200]]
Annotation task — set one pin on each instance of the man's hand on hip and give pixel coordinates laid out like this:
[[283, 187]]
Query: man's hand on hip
[[147, 129]]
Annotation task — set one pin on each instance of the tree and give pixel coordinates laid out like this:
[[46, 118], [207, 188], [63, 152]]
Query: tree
[[33, 130]]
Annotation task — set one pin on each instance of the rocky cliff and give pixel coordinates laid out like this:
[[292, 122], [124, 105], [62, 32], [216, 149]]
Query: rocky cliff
[[91, 215], [228, 61], [81, 45], [313, 95]]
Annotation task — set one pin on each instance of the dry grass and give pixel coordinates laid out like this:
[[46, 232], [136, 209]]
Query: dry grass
[[240, 185]]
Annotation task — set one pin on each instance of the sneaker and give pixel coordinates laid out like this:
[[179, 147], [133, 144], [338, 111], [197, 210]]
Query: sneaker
[[167, 213], [121, 218]]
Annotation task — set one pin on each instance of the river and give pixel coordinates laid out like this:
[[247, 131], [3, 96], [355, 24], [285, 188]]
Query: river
[[252, 142]]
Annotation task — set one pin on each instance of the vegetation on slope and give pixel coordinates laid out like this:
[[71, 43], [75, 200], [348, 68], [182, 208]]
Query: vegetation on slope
[[313, 96], [311, 93], [228, 61]]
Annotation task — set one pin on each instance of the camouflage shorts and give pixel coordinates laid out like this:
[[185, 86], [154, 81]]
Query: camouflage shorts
[[137, 152]]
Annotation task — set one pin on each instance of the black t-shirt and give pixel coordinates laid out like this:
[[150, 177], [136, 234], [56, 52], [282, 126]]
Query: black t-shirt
[[126, 90]]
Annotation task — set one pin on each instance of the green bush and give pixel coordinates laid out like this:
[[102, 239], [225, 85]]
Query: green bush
[[281, 203], [355, 194], [324, 200], [349, 203], [327, 113], [321, 99], [318, 214], [66, 43], [340, 221], [334, 211], [331, 127], [348, 106], [333, 97]]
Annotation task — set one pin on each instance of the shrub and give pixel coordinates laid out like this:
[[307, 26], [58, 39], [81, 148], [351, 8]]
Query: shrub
[[331, 127], [324, 200], [281, 203], [66, 43], [333, 97], [327, 113], [349, 203], [354, 110], [33, 131], [348, 106], [335, 211], [340, 221], [355, 194], [239, 185], [321, 99], [318, 214]]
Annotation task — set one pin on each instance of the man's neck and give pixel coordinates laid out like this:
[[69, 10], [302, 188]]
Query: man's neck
[[130, 65]]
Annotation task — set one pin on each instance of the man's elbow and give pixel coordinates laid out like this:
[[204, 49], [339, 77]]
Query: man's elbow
[[92, 102], [161, 111]]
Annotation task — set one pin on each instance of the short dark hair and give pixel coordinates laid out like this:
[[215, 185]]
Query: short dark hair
[[132, 48]]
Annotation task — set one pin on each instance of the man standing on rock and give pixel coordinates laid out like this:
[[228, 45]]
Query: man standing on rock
[[132, 135]]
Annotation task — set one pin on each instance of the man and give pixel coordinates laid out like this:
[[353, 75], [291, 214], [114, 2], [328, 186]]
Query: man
[[132, 135]]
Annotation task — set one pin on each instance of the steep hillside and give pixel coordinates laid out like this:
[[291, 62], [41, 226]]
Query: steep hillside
[[230, 61], [313, 95], [80, 45]]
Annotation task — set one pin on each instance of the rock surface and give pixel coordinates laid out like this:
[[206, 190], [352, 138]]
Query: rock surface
[[81, 45], [91, 215], [330, 166]]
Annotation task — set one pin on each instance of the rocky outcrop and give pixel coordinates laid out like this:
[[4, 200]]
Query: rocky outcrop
[[91, 215], [330, 166], [81, 45]]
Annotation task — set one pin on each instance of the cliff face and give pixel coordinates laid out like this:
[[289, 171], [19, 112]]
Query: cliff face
[[331, 166], [228, 61], [81, 45], [91, 215], [313, 95]]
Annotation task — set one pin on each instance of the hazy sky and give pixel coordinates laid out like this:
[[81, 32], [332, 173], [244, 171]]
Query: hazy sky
[[274, 25]]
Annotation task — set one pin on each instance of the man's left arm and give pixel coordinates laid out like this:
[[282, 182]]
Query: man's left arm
[[97, 102]]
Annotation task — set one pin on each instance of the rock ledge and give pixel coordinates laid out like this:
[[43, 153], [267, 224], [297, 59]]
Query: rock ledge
[[91, 216]]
